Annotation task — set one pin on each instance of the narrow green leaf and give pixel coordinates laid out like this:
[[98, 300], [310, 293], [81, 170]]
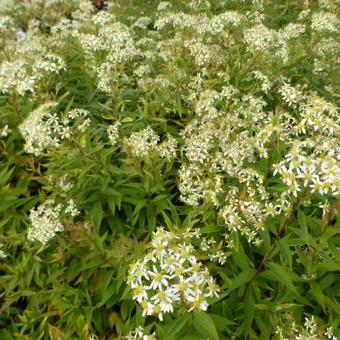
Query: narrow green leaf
[[317, 293], [284, 248], [282, 275], [176, 325], [205, 325], [248, 311], [242, 278], [97, 213]]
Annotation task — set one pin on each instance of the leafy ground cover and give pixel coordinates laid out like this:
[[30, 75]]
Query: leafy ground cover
[[169, 170]]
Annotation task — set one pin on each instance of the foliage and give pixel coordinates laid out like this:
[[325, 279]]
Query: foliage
[[169, 170]]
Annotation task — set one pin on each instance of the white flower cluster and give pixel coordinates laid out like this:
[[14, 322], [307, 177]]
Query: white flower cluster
[[313, 162], [168, 148], [288, 329], [248, 206], [213, 147], [325, 21], [44, 128], [265, 83], [6, 24], [46, 220], [63, 183], [107, 44], [291, 95], [201, 24], [203, 53], [71, 208], [209, 247], [221, 147], [170, 276], [259, 38], [21, 76], [113, 133], [50, 63], [142, 23], [141, 144], [14, 78]]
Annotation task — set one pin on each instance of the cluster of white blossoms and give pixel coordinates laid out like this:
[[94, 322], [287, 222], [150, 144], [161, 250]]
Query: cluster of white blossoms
[[291, 95], [325, 21], [71, 208], [63, 183], [288, 329], [141, 144], [32, 65], [210, 247], [170, 277], [230, 134], [259, 38], [203, 53], [107, 45], [45, 128], [14, 78], [219, 146], [168, 148], [46, 220], [113, 133], [304, 167], [313, 162], [265, 83]]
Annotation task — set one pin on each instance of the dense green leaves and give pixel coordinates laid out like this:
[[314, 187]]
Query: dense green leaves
[[177, 69], [205, 325]]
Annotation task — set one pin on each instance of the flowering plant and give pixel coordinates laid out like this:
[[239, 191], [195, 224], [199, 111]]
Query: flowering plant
[[169, 170]]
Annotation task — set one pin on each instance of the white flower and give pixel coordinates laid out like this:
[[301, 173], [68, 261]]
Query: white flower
[[45, 222], [158, 278], [173, 277], [139, 293], [2, 253], [291, 95], [113, 133], [165, 298], [71, 208], [213, 288], [5, 131], [141, 144]]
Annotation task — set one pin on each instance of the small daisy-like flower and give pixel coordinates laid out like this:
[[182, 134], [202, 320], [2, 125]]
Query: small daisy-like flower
[[169, 276]]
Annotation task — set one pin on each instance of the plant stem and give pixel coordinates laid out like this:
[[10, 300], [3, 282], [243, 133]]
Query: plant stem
[[281, 233]]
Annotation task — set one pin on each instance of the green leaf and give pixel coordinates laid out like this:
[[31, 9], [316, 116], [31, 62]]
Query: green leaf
[[55, 333], [205, 325], [221, 322], [284, 248], [282, 276], [97, 213], [248, 311], [242, 278], [5, 335], [303, 226], [317, 293], [176, 326]]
